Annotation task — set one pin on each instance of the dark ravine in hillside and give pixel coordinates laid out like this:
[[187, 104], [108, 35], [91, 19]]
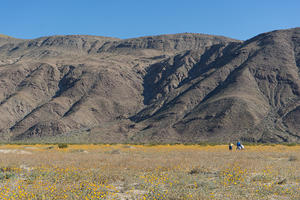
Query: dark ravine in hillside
[[187, 88]]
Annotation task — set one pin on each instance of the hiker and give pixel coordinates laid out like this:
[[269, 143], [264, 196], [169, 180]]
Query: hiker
[[230, 146], [239, 146]]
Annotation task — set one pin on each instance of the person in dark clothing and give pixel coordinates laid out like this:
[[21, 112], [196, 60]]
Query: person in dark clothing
[[230, 146]]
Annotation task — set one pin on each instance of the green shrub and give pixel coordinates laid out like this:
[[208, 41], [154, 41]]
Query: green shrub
[[62, 146], [291, 144]]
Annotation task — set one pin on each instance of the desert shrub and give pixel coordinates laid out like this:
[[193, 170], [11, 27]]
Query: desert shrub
[[126, 146], [7, 172], [291, 144], [114, 151], [194, 171], [293, 158], [6, 175], [62, 146], [152, 144], [203, 144]]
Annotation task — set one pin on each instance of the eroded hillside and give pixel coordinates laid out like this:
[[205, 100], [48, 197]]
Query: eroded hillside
[[168, 88]]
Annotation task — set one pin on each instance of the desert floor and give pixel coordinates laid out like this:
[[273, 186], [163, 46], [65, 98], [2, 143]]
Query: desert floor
[[149, 172]]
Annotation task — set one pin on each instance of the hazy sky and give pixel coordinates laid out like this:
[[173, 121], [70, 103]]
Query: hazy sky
[[240, 19]]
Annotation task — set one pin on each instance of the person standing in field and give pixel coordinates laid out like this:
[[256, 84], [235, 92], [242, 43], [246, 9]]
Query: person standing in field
[[230, 146], [239, 146]]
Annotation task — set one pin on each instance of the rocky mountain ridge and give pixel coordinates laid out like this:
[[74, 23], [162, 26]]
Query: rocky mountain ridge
[[169, 88]]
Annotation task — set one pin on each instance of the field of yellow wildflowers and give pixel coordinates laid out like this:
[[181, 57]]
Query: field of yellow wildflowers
[[148, 172]]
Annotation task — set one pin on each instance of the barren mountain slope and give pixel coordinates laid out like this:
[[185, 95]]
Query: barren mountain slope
[[250, 91], [168, 88]]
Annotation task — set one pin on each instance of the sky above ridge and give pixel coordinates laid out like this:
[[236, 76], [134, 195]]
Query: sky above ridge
[[239, 19]]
